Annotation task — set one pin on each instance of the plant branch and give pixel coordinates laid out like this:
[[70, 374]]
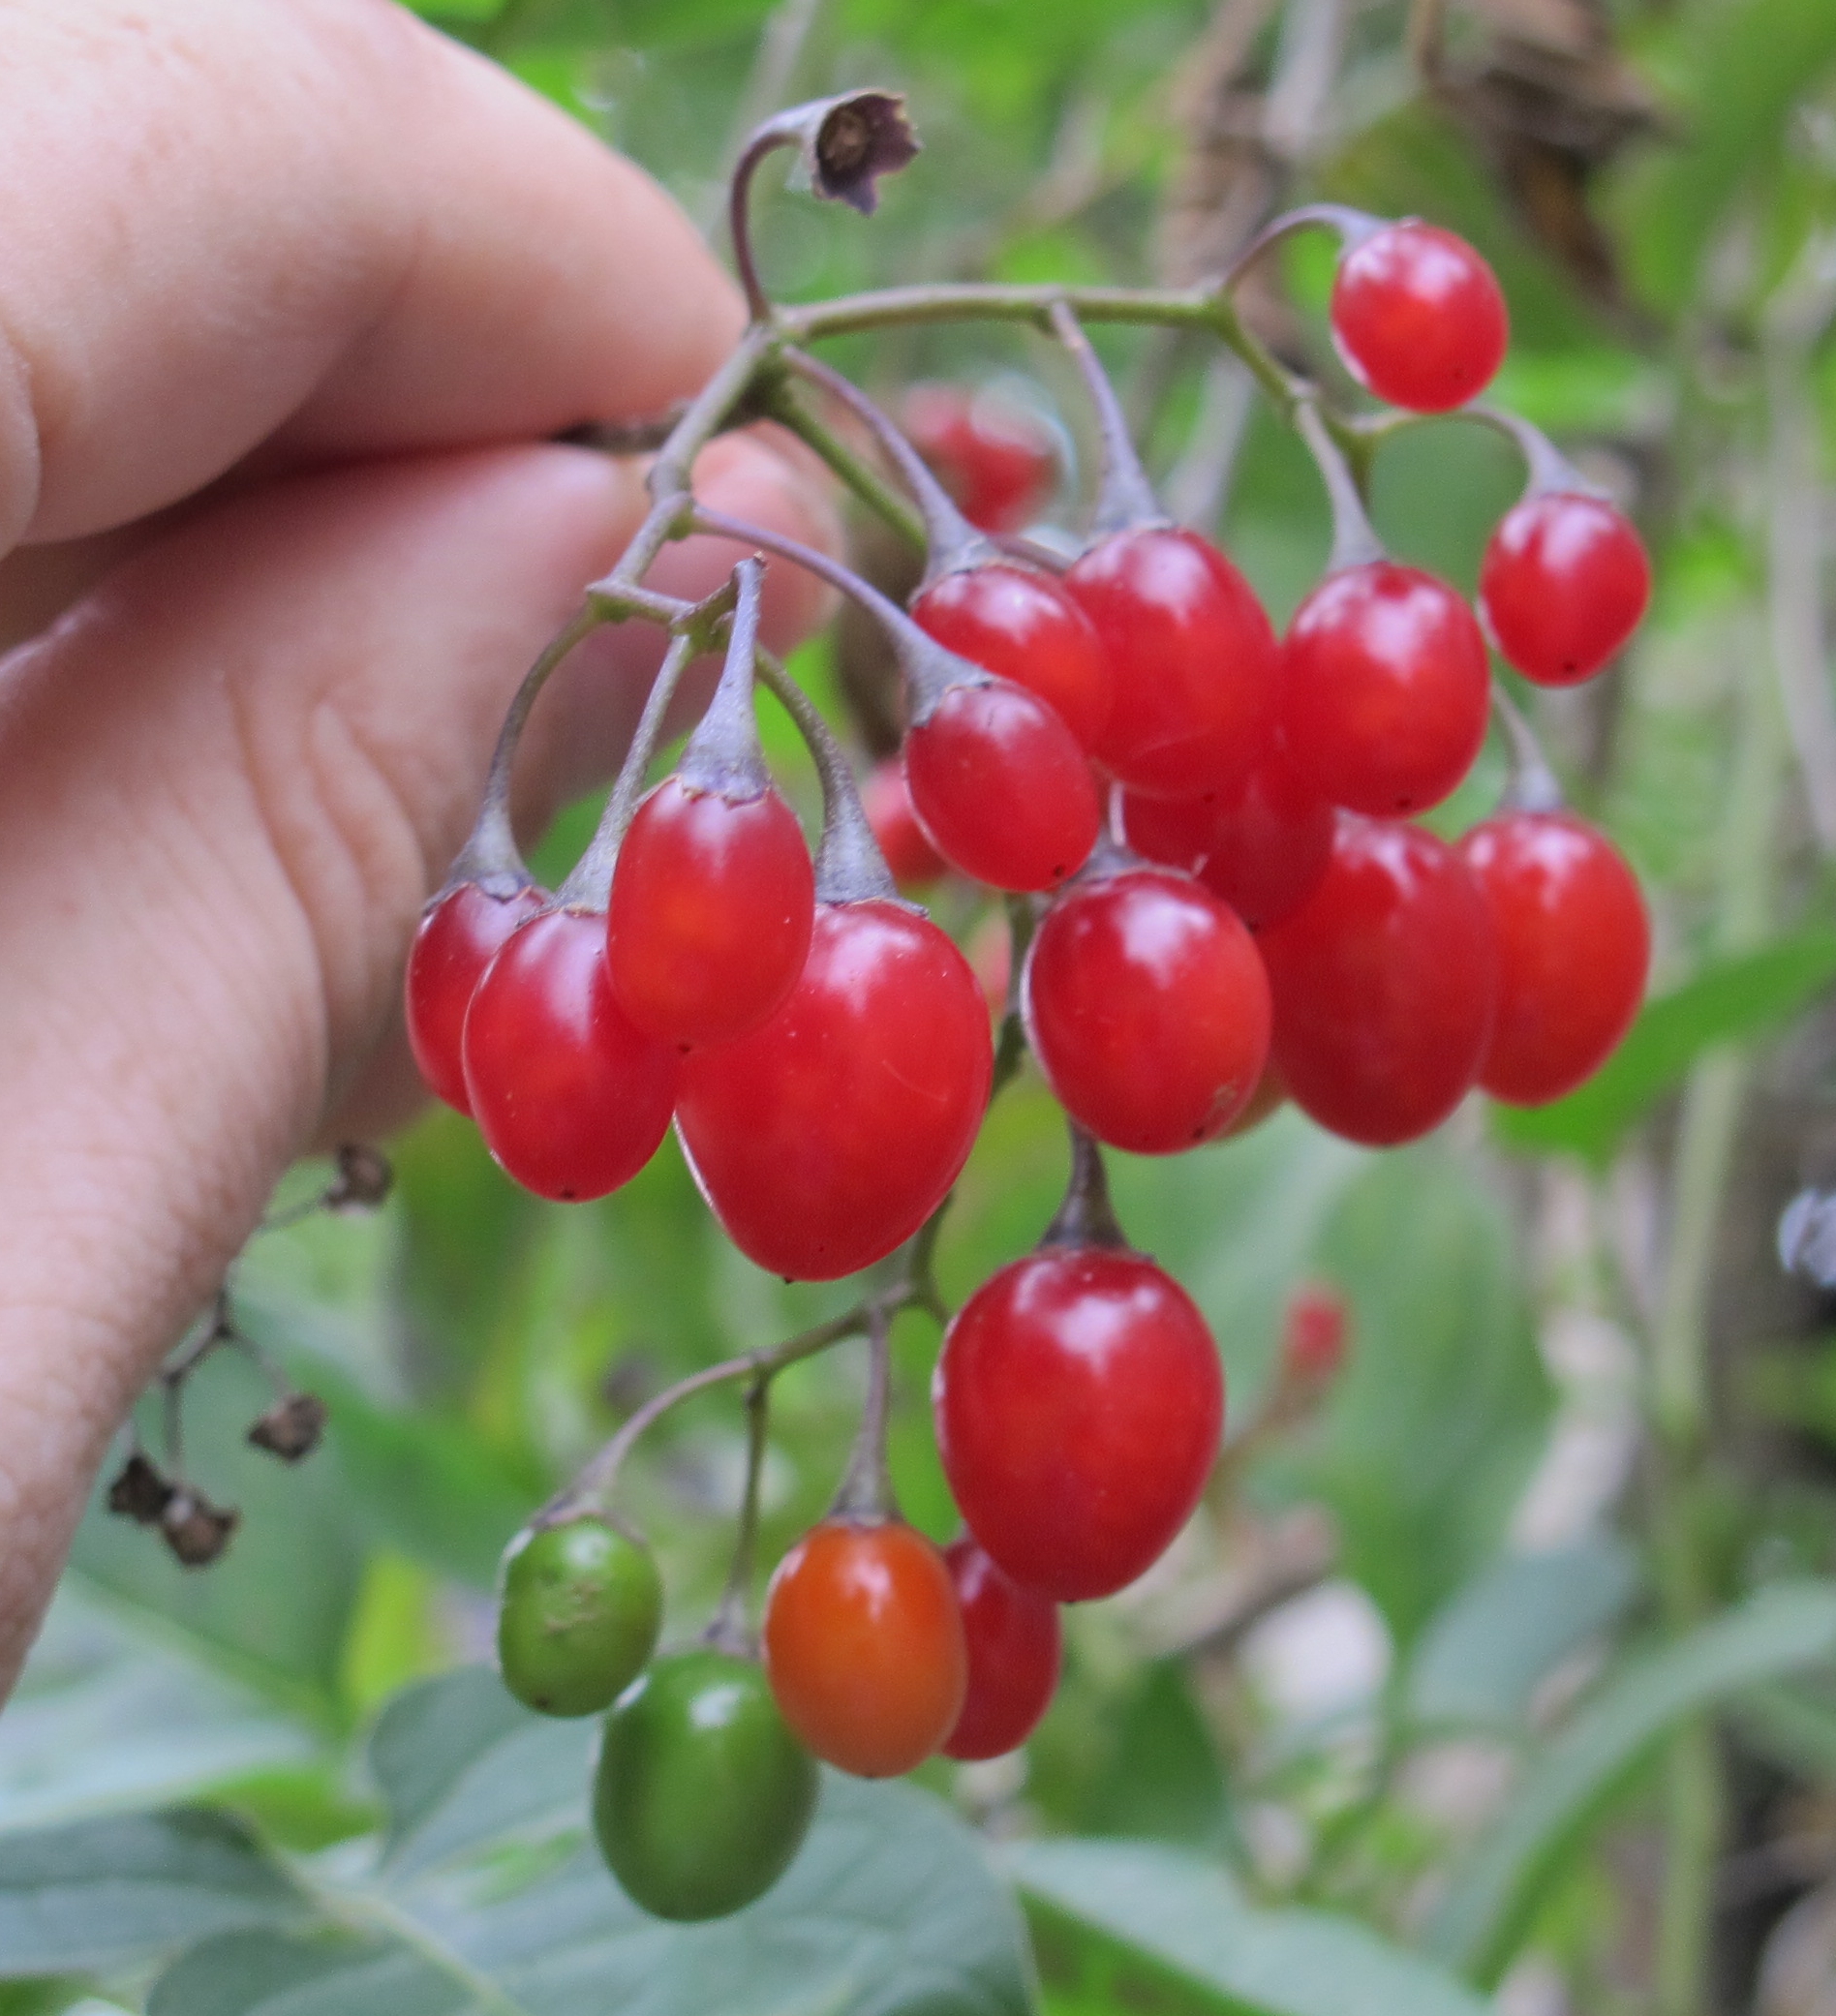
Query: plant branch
[[860, 476]]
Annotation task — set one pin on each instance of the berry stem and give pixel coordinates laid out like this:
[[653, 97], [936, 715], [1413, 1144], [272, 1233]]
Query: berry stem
[[589, 882], [851, 868], [929, 670], [1546, 469], [1086, 1217], [1532, 786], [952, 543], [1353, 227], [1355, 541], [865, 1492], [723, 755], [1125, 500], [868, 484], [491, 857], [728, 1630]]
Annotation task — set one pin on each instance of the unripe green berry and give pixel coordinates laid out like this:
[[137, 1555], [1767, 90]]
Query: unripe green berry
[[702, 1796], [582, 1607]]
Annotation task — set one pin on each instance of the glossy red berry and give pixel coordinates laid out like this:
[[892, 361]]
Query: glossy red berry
[[864, 1645], [570, 1098], [1001, 787], [1015, 1649], [825, 1139], [1419, 317], [914, 862], [710, 911], [459, 934], [1384, 985], [1564, 584], [1260, 849], [1147, 1008], [994, 459], [1079, 1404], [1022, 625], [1386, 691], [1574, 949], [1192, 662]]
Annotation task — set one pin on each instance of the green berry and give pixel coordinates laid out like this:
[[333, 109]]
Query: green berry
[[702, 1796], [582, 1607]]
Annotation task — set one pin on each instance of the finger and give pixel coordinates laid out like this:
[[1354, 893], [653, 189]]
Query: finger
[[317, 217], [228, 780]]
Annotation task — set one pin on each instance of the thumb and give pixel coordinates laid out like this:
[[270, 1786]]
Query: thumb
[[228, 781]]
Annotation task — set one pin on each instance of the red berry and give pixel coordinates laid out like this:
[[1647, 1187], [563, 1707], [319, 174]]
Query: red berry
[[458, 934], [1147, 1008], [1260, 849], [1022, 625], [1419, 317], [825, 1139], [1001, 787], [864, 1645], [1384, 985], [1015, 1647], [1313, 1334], [1079, 1404], [570, 1098], [711, 912], [996, 461], [1573, 948], [1192, 662], [1563, 585], [912, 859], [1386, 690]]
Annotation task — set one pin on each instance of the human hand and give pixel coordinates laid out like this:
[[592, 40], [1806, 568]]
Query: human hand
[[295, 292]]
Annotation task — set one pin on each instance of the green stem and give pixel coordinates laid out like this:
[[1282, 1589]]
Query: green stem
[[1707, 1133], [1206, 309], [867, 483]]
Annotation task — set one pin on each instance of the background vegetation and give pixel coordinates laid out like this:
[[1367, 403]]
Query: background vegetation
[[1509, 1670]]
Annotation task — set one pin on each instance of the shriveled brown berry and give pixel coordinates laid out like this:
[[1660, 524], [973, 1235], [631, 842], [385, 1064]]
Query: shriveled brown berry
[[197, 1531], [364, 1178], [292, 1427], [141, 1492]]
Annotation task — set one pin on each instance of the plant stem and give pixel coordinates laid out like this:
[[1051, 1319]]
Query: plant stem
[[1707, 1136], [866, 482], [849, 865], [1355, 540], [1124, 497], [728, 1628], [491, 856], [952, 541], [866, 1491]]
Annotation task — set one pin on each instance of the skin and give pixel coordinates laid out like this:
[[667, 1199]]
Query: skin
[[296, 293]]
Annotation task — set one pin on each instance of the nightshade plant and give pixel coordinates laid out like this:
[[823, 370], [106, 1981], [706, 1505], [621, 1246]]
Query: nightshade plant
[[1216, 901]]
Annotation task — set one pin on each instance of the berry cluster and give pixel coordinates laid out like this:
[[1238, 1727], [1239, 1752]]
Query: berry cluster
[[1201, 830]]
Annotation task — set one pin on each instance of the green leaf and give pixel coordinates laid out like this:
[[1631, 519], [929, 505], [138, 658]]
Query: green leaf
[[274, 1610], [1744, 67], [105, 1893], [491, 1898], [107, 1718], [1481, 1658], [1783, 1630], [1176, 1925], [1441, 1411], [461, 1761], [1729, 1001], [1162, 1780], [433, 1487]]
